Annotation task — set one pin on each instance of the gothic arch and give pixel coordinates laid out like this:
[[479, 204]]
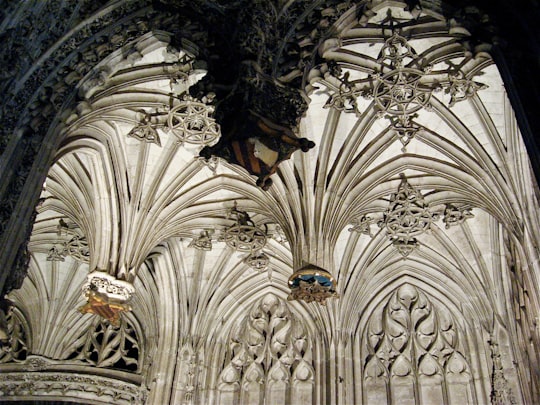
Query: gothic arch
[[419, 177], [415, 351], [269, 351]]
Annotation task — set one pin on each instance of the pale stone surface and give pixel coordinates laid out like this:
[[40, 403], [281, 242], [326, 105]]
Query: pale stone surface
[[431, 309]]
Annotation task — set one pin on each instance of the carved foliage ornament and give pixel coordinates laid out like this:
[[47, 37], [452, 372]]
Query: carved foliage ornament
[[276, 232], [399, 88], [212, 163], [60, 384]]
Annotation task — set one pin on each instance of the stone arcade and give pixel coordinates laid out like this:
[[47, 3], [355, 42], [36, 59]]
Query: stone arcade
[[269, 201]]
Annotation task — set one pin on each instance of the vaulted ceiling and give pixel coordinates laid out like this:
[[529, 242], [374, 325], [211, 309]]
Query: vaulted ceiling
[[419, 177]]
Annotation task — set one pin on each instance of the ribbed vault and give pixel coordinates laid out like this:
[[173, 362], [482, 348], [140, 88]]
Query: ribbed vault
[[418, 194]]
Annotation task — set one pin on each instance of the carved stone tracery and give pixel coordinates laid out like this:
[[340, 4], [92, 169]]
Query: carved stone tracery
[[191, 122], [244, 235], [401, 91], [38, 91], [456, 215], [413, 350], [105, 345], [402, 84], [76, 246], [203, 241], [407, 217], [462, 88], [15, 349], [145, 131], [404, 94], [269, 352], [258, 261], [362, 225]]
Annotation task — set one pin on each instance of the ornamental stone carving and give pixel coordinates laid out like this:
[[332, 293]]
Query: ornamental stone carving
[[103, 344], [191, 376], [191, 122], [203, 241], [401, 83], [35, 93], [70, 385], [77, 247], [55, 254], [243, 235], [406, 217], [362, 225], [13, 338], [145, 131], [400, 91], [311, 283], [36, 363], [107, 296], [456, 215], [462, 88], [104, 283], [258, 261], [269, 357], [414, 352]]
